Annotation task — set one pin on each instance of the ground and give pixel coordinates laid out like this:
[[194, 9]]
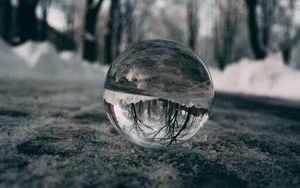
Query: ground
[[56, 134]]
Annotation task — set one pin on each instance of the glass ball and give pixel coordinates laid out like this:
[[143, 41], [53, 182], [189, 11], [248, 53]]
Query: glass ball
[[158, 93]]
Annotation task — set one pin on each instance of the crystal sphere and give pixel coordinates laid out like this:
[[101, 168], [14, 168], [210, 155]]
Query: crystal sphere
[[158, 93]]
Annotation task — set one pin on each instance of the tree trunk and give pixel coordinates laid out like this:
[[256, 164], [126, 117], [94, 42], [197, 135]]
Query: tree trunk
[[288, 46], [90, 45], [43, 34], [111, 35], [254, 38], [291, 37], [7, 25], [120, 29], [225, 31], [27, 21], [286, 55], [193, 22], [268, 12], [129, 22], [44, 26], [266, 37]]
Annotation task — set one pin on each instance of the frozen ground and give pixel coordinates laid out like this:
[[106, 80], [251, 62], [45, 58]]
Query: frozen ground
[[55, 134]]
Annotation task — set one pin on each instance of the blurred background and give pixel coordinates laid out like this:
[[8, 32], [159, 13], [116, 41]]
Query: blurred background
[[252, 46]]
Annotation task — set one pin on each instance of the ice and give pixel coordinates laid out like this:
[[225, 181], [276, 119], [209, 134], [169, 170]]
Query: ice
[[158, 93]]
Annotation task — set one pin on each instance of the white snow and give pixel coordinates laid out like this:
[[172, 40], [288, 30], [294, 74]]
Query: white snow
[[67, 55], [114, 97], [40, 60], [136, 74], [10, 64], [268, 77], [32, 51]]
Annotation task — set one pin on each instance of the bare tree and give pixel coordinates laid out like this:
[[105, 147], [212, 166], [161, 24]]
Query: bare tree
[[174, 30], [291, 34], [173, 16], [70, 20], [111, 35], [268, 15], [27, 20], [254, 31], [90, 47], [120, 29], [193, 22], [45, 5], [140, 20], [6, 20], [129, 22], [225, 30]]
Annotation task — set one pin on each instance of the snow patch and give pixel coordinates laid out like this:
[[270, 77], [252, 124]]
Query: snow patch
[[10, 64], [32, 51], [40, 60], [67, 55], [268, 77], [114, 97], [135, 75]]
